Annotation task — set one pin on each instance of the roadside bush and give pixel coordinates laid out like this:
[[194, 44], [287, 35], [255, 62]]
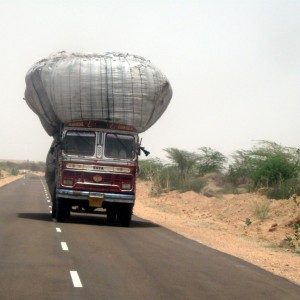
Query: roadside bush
[[191, 184], [14, 171], [267, 165], [150, 168], [284, 189], [229, 188], [166, 177], [163, 176], [294, 241], [165, 180]]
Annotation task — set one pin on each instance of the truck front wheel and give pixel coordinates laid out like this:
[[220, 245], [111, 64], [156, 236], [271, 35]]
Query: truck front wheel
[[62, 209], [111, 214], [125, 214], [54, 208]]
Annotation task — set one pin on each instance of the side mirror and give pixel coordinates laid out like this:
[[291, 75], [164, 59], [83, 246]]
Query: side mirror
[[144, 151]]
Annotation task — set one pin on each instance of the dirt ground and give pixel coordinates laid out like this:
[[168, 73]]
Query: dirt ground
[[6, 178], [220, 223]]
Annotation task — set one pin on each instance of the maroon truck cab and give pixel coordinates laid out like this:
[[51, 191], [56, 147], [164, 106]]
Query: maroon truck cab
[[95, 168]]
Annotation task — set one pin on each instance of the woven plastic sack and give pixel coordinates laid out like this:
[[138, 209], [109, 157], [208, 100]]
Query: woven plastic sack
[[110, 87]]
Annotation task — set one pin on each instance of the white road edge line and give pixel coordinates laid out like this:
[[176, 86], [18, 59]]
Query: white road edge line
[[64, 246], [58, 229], [75, 279]]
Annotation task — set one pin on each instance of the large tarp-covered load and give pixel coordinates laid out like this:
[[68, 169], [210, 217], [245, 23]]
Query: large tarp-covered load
[[110, 87]]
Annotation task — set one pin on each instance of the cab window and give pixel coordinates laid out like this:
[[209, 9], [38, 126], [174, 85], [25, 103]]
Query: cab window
[[79, 143], [119, 146]]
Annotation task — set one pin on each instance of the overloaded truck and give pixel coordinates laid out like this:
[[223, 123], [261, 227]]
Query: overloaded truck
[[95, 106]]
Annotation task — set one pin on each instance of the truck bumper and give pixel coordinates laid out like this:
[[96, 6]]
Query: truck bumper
[[84, 195]]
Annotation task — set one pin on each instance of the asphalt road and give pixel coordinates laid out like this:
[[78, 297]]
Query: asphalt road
[[86, 259]]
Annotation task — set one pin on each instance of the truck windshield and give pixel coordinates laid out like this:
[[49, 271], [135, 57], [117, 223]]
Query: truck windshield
[[119, 146], [79, 143]]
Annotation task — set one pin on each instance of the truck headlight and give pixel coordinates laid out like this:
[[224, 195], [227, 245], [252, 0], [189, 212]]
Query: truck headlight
[[126, 186], [68, 182]]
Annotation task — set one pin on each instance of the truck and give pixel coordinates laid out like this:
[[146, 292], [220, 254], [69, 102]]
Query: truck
[[96, 164], [95, 106]]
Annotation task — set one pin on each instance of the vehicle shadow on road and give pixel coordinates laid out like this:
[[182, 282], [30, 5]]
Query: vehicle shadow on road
[[35, 216], [87, 220]]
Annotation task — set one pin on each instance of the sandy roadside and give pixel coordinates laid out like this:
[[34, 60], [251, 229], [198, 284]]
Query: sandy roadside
[[173, 212], [9, 179]]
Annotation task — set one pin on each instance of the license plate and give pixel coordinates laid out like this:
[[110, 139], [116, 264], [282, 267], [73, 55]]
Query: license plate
[[96, 195], [95, 202]]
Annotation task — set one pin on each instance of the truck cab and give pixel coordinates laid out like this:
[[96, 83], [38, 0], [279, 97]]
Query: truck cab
[[95, 168]]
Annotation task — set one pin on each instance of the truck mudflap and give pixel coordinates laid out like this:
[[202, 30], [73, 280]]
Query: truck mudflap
[[85, 195]]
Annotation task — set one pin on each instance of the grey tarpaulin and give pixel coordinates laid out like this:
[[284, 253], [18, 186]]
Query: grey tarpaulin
[[110, 87]]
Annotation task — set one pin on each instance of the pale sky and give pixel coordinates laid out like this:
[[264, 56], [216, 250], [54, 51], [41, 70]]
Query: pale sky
[[234, 66]]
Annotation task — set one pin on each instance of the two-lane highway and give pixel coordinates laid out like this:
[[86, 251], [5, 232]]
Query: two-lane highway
[[86, 259]]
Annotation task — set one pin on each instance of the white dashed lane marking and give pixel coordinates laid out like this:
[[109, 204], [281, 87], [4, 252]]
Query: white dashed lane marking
[[75, 279], [74, 274], [64, 246]]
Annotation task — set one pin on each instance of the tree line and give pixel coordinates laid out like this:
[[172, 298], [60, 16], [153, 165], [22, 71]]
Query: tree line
[[266, 165], [13, 167]]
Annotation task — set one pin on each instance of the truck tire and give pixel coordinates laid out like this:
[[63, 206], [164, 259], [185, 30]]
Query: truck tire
[[53, 200], [53, 209], [125, 214], [111, 214], [61, 210]]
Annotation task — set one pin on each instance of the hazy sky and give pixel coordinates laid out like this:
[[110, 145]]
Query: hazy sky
[[234, 66]]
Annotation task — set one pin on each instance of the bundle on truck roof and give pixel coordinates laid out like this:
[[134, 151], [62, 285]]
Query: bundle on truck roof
[[110, 87]]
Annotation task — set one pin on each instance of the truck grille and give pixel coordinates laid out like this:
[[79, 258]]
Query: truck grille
[[104, 182]]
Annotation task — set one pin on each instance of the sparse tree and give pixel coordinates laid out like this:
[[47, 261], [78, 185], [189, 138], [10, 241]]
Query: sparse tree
[[210, 160], [184, 160]]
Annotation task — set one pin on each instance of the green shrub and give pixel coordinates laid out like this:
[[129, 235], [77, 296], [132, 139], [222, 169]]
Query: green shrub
[[284, 189], [150, 168], [294, 241], [190, 184], [267, 165], [14, 171]]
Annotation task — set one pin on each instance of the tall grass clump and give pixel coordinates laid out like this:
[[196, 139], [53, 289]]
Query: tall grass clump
[[262, 210]]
